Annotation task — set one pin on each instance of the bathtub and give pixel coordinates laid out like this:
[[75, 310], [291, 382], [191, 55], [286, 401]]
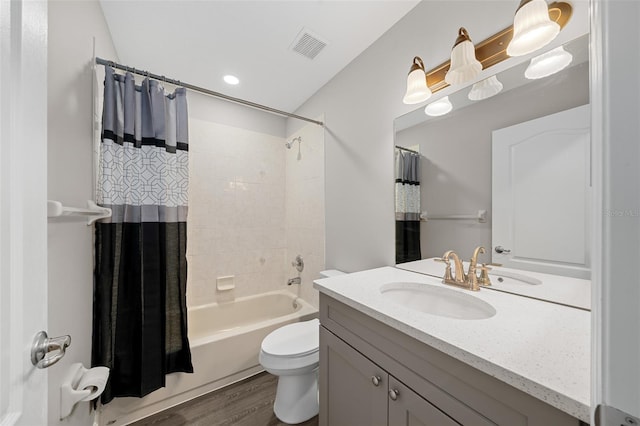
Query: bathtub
[[225, 342]]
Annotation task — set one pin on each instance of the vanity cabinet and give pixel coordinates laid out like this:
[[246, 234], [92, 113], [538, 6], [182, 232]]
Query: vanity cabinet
[[373, 374], [359, 392]]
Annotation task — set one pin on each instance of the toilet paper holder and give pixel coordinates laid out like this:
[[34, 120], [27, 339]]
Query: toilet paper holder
[[81, 384]]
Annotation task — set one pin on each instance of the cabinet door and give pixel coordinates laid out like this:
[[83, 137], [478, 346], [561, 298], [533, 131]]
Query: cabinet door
[[353, 390], [407, 408]]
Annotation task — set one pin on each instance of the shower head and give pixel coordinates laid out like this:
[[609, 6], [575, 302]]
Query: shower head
[[289, 144]]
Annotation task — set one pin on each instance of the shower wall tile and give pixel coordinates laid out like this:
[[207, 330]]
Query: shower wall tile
[[237, 222], [253, 206], [304, 208]]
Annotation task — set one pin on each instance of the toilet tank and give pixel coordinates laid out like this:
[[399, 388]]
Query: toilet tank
[[330, 273]]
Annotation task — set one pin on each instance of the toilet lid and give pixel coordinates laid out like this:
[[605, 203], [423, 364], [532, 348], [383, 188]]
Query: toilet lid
[[293, 340]]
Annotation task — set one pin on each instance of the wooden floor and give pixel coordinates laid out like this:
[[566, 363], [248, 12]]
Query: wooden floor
[[246, 403]]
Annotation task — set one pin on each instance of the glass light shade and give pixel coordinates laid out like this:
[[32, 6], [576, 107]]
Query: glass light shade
[[485, 89], [548, 63], [464, 65], [440, 107], [417, 89], [532, 28]]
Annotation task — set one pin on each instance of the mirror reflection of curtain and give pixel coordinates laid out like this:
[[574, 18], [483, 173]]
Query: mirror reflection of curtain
[[407, 173], [140, 312]]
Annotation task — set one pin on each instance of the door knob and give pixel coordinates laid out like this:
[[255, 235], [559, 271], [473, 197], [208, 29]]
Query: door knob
[[375, 380], [500, 250], [47, 351], [393, 394]]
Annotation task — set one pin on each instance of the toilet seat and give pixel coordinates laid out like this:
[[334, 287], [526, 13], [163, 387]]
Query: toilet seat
[[293, 340]]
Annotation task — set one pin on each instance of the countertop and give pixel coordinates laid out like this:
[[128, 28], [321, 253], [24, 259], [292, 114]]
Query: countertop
[[569, 291], [541, 348]]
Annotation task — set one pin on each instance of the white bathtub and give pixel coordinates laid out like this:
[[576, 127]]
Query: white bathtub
[[225, 342]]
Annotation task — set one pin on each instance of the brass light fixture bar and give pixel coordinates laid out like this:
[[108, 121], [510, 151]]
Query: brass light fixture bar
[[493, 50]]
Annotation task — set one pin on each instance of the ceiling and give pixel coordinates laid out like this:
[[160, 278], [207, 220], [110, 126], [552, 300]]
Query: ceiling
[[201, 41]]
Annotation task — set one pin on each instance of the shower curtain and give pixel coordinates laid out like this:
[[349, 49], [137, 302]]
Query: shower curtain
[[407, 169], [139, 309]]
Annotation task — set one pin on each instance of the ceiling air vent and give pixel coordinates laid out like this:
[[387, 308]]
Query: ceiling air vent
[[307, 44]]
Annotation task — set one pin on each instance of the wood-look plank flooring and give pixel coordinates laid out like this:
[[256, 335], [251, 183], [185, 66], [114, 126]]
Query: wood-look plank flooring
[[246, 403]]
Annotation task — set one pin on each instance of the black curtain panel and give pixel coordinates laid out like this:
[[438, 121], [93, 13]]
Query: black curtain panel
[[140, 275], [407, 170]]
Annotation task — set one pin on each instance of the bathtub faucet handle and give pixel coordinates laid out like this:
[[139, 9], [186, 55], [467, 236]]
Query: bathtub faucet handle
[[298, 263]]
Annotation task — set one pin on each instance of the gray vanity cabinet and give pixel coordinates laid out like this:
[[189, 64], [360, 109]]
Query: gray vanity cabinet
[[373, 374], [356, 391]]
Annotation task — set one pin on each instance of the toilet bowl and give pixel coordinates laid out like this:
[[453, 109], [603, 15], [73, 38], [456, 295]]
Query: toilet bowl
[[291, 353]]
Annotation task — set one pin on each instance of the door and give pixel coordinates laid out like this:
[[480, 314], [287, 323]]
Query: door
[[541, 198], [353, 390], [23, 223]]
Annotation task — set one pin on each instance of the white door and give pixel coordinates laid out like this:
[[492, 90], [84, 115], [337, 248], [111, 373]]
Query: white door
[[541, 194], [23, 220]]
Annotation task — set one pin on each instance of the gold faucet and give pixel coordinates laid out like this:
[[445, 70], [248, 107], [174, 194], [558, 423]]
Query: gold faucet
[[469, 280], [459, 278]]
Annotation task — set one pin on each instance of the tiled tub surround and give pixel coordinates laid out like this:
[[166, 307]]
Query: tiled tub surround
[[253, 206], [236, 222], [304, 207], [540, 348]]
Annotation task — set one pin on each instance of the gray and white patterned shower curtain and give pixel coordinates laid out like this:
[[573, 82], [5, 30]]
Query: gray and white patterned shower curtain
[[407, 170], [140, 275]]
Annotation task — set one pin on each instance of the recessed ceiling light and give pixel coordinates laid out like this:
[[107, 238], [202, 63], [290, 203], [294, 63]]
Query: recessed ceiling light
[[231, 79]]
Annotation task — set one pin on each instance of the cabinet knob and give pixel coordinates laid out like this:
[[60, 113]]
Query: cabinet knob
[[393, 394], [375, 380]]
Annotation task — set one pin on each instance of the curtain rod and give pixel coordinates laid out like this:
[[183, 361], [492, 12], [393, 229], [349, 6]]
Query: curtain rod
[[407, 149], [132, 70]]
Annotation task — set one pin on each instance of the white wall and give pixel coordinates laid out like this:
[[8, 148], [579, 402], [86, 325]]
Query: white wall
[[456, 164], [360, 104], [72, 26]]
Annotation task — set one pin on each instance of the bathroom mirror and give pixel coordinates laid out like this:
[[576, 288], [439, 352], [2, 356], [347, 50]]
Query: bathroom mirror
[[456, 160]]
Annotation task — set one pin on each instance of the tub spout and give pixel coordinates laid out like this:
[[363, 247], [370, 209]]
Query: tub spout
[[295, 280]]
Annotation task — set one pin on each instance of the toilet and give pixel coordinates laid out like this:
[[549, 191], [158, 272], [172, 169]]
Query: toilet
[[292, 353]]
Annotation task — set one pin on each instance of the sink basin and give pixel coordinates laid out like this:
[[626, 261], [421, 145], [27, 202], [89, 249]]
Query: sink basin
[[438, 301]]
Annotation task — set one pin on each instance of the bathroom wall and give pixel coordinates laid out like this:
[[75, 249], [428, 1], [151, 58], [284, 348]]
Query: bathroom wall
[[253, 206], [236, 211], [456, 164], [360, 104], [72, 26], [305, 207]]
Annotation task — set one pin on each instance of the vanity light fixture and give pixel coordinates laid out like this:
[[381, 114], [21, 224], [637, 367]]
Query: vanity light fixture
[[493, 50], [548, 63], [464, 65], [440, 107], [485, 89], [532, 28], [417, 89]]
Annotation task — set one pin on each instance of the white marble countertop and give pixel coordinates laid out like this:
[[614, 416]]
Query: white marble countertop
[[553, 288], [538, 347]]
